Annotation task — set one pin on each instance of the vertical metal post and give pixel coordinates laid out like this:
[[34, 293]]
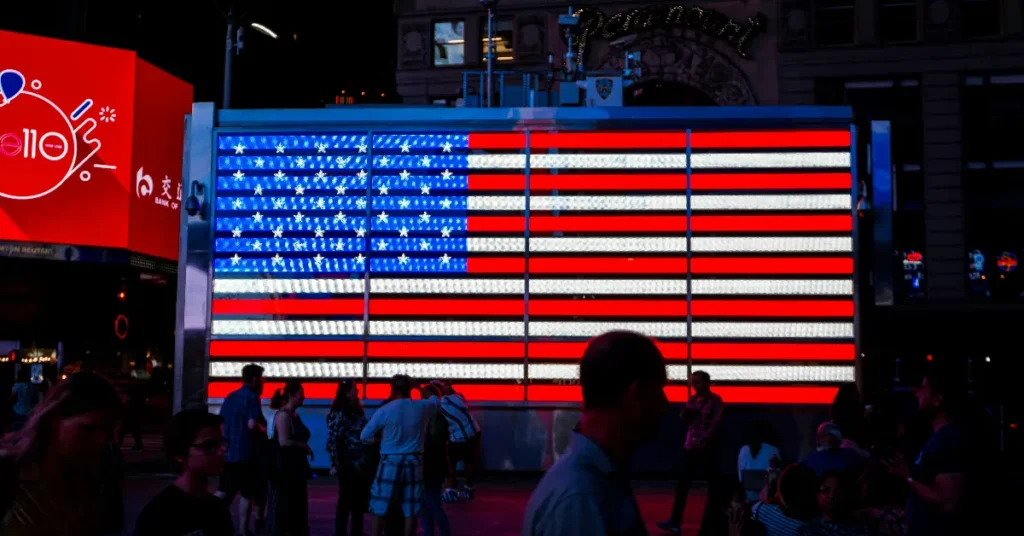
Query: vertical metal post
[[689, 269], [855, 238], [367, 241], [526, 274], [229, 52], [490, 57]]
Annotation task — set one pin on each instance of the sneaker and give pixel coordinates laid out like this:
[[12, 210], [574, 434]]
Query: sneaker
[[466, 494], [669, 526], [450, 496]]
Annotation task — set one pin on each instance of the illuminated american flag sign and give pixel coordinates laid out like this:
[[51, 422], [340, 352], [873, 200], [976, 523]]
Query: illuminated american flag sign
[[491, 258]]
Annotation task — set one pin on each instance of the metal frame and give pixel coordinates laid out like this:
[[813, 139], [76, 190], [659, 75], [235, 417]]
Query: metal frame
[[194, 291]]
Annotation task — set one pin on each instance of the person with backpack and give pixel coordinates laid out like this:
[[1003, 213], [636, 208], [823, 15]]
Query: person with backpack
[[463, 440]]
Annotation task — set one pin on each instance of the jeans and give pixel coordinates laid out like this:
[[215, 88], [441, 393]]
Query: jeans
[[433, 511], [353, 492], [706, 459]]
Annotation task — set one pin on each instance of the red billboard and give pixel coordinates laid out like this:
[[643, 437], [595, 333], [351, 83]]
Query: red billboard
[[78, 123]]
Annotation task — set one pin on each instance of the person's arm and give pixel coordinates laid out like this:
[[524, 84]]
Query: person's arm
[[739, 461], [376, 424], [575, 515], [283, 430], [947, 493], [257, 422], [714, 419], [333, 429]]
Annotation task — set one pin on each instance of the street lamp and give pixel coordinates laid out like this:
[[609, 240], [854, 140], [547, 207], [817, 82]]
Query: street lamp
[[233, 45], [489, 4]]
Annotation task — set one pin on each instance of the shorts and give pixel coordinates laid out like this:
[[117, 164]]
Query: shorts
[[399, 481], [464, 451], [241, 478]]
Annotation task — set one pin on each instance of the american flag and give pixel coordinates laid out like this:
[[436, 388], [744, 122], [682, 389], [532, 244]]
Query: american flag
[[491, 258]]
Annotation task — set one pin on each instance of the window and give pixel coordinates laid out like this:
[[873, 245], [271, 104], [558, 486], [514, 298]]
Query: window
[[834, 22], [992, 112], [504, 30], [979, 18], [449, 43], [897, 20]]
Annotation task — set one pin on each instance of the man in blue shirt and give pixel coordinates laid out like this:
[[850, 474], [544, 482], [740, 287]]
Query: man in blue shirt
[[587, 491], [244, 427], [830, 456]]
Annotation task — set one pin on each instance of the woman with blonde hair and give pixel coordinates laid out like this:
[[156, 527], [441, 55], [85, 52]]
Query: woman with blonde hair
[[51, 477]]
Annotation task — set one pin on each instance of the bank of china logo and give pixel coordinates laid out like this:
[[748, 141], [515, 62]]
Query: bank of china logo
[[143, 184], [604, 87]]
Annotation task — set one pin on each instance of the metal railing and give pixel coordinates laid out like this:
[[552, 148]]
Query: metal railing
[[513, 88]]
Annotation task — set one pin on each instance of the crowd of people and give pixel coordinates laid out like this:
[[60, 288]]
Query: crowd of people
[[400, 464]]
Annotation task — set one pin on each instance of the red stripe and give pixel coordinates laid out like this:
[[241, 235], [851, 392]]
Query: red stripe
[[480, 393], [769, 308], [770, 181], [676, 393], [446, 307], [446, 350], [578, 265], [772, 265], [579, 140], [774, 351], [619, 223], [779, 139], [663, 308], [479, 182], [349, 306], [286, 348], [772, 223]]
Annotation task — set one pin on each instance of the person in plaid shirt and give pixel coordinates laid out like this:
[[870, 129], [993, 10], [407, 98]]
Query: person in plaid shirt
[[351, 459], [703, 417]]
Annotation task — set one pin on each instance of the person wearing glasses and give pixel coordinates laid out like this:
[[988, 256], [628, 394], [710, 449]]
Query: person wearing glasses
[[196, 445]]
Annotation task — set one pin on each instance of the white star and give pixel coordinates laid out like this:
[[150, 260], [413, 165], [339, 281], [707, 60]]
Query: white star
[[280, 148], [446, 174], [279, 202], [445, 259], [258, 190], [279, 175], [239, 149], [446, 232], [360, 259], [382, 217], [383, 162], [279, 232], [301, 162], [321, 204], [424, 189], [424, 245], [361, 147], [299, 217], [320, 174], [446, 203], [235, 260], [300, 190], [404, 174], [236, 233], [382, 245], [319, 259], [425, 161], [405, 147], [424, 217], [340, 245], [297, 245], [383, 189], [403, 232], [446, 147], [236, 204], [278, 259], [340, 217], [340, 189], [403, 259], [361, 203], [403, 204], [342, 161], [258, 218], [360, 232], [361, 174], [321, 148], [318, 232], [238, 175], [259, 162], [257, 245]]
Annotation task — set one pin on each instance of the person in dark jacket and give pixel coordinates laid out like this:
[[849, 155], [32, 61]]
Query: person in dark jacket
[[435, 470]]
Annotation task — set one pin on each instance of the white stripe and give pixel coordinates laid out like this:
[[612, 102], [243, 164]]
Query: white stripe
[[577, 244], [772, 202], [433, 328], [796, 330], [579, 161], [768, 160], [580, 202], [744, 244], [607, 286], [447, 286], [287, 327], [288, 286], [783, 287], [516, 371], [593, 329]]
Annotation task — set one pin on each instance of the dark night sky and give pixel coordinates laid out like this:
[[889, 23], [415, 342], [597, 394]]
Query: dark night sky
[[323, 47]]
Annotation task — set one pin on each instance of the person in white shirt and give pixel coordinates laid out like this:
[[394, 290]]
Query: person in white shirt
[[755, 459], [402, 424], [463, 440]]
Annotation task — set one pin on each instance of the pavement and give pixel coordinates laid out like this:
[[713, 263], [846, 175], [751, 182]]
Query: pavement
[[497, 509]]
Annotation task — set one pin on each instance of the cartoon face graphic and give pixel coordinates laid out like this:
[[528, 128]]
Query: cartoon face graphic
[[41, 146]]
